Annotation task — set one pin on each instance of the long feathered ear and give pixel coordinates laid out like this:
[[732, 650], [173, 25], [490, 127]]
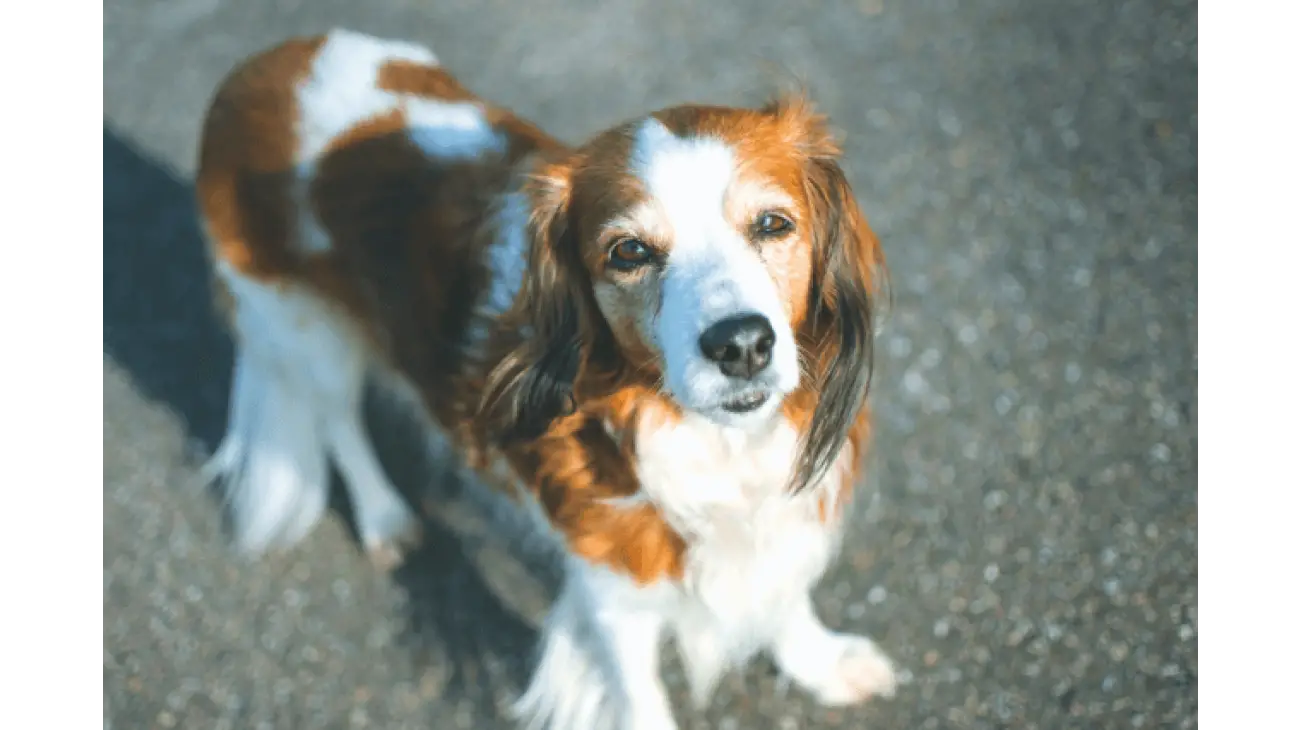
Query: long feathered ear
[[848, 276], [534, 382]]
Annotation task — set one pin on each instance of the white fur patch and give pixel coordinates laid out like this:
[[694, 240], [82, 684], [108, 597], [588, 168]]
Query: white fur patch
[[295, 402], [688, 176], [341, 92], [452, 130], [508, 254], [712, 273], [507, 259]]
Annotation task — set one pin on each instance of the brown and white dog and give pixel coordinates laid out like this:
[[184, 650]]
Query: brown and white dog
[[660, 338]]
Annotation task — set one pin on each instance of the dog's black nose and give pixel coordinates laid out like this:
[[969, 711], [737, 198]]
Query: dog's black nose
[[741, 346]]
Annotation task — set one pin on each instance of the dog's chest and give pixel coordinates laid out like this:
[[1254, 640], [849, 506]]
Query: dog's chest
[[751, 545]]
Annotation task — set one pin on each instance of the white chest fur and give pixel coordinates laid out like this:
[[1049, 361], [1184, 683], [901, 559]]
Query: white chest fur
[[754, 549]]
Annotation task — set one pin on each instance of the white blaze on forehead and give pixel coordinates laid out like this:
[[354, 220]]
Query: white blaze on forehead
[[688, 178], [712, 271]]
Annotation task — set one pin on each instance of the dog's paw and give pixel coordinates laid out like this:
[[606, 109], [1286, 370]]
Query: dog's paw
[[393, 538], [859, 671]]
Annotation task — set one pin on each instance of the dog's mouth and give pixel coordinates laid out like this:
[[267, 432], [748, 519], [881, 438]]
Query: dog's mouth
[[745, 402]]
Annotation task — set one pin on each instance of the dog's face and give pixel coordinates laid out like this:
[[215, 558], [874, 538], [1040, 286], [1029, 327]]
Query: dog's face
[[717, 252], [701, 268]]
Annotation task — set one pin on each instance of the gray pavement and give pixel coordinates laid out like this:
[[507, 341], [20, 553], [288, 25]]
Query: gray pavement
[[1028, 550]]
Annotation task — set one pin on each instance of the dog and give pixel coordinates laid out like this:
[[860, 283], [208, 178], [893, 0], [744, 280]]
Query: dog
[[658, 341]]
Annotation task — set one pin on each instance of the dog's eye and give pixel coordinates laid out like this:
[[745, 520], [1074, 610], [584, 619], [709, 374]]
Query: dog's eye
[[772, 224], [629, 253]]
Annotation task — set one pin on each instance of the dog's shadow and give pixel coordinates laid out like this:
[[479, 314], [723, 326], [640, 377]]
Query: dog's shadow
[[160, 327]]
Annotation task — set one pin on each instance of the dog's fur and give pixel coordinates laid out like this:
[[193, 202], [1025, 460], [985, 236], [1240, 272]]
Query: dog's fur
[[544, 305]]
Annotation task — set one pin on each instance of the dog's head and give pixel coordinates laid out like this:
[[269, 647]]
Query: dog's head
[[715, 253]]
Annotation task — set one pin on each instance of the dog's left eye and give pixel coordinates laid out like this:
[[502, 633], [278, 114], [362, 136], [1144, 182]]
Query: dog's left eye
[[772, 224]]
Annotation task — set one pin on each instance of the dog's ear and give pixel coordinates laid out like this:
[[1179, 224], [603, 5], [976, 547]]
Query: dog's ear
[[848, 278], [534, 382]]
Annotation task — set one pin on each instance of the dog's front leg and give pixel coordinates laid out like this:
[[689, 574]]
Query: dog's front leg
[[599, 664]]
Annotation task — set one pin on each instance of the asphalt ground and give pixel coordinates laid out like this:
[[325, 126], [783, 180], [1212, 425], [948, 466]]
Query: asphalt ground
[[1027, 547]]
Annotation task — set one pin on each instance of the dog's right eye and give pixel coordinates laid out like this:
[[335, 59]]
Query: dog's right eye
[[629, 253]]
